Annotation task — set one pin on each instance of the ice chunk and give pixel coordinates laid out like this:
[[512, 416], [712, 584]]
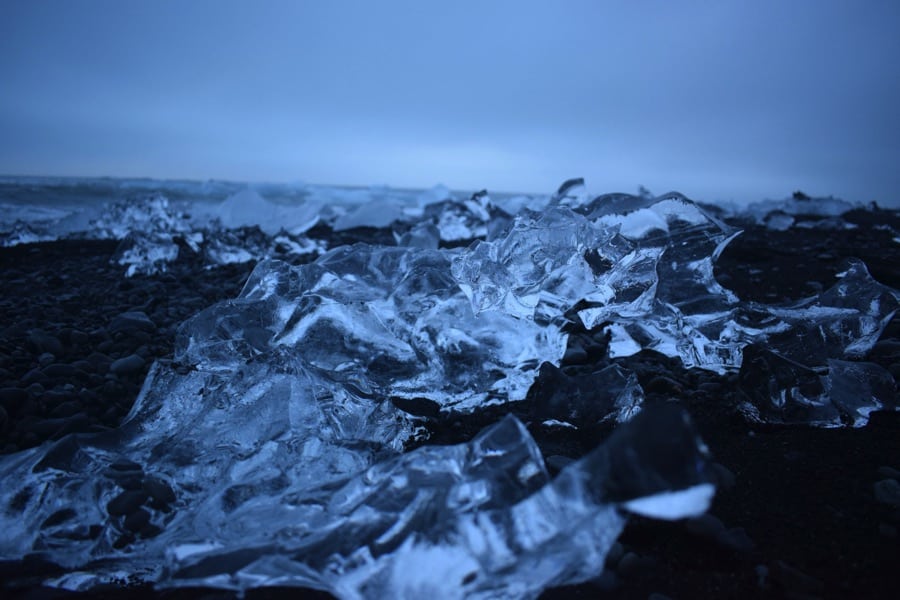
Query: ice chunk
[[240, 511], [843, 321], [383, 320], [248, 208], [375, 213], [608, 394], [778, 390], [541, 267], [144, 214], [146, 253], [459, 220], [799, 205]]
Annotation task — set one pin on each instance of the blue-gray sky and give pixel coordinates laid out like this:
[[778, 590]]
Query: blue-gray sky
[[717, 99]]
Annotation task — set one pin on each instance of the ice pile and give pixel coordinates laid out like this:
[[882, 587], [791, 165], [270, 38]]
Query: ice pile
[[271, 452]]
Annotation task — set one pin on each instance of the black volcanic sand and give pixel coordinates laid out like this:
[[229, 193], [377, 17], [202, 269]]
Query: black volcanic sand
[[799, 513]]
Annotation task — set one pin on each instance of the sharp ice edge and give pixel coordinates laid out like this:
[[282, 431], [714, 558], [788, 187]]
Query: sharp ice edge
[[296, 385], [473, 520]]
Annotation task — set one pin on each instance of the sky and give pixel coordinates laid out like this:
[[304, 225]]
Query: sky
[[720, 100]]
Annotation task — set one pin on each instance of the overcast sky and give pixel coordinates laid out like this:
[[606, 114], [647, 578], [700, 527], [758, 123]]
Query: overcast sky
[[717, 99]]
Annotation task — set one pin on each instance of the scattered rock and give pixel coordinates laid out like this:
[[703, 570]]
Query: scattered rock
[[887, 491], [159, 490], [128, 365], [126, 503], [705, 526], [130, 322], [633, 565], [59, 370], [137, 520], [889, 472], [794, 581]]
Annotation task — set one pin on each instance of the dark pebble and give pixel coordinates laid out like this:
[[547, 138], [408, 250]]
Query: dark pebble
[[137, 520], [887, 491], [705, 526], [126, 503], [794, 581], [59, 517], [123, 465], [159, 490], [130, 322], [40, 342], [894, 370], [66, 409], [575, 355], [3, 418], [34, 376], [12, 397], [43, 428], [889, 472], [128, 365], [59, 370], [79, 338], [736, 539], [46, 359], [633, 565], [663, 385], [724, 478]]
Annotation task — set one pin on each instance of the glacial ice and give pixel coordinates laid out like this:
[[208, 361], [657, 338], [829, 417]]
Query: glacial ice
[[389, 321], [298, 495], [248, 208], [271, 452]]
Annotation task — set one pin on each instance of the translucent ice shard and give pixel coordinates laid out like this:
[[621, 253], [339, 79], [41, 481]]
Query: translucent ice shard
[[778, 390], [378, 320], [248, 208], [145, 214], [262, 476], [843, 321], [541, 267], [146, 253], [461, 220], [608, 394]]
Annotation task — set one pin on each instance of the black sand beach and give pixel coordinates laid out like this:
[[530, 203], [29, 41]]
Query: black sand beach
[[800, 512]]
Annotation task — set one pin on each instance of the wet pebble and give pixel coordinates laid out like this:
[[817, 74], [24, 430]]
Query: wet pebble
[[794, 581], [634, 565], [889, 472], [137, 520], [12, 397], [575, 355], [887, 491], [126, 503], [35, 376], [131, 322], [723, 476], [59, 370], [663, 385], [128, 365], [40, 342], [705, 526], [159, 490], [66, 409]]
